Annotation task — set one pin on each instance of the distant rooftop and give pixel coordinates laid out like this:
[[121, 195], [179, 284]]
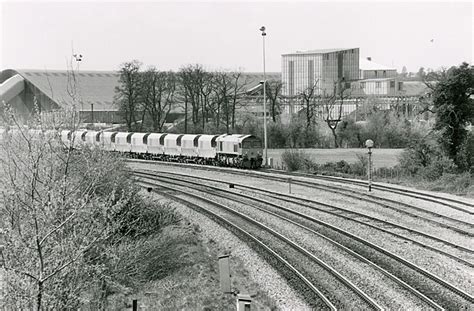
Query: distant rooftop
[[96, 87], [365, 64], [319, 51]]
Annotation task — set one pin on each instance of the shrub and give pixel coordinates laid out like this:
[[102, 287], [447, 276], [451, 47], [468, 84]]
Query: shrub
[[360, 167], [420, 154], [465, 157], [277, 135], [455, 183], [437, 168], [294, 159]]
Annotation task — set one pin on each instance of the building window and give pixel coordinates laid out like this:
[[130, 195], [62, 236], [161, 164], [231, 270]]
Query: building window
[[384, 73], [377, 85], [310, 73], [362, 85], [392, 84], [291, 77], [375, 73], [400, 86]]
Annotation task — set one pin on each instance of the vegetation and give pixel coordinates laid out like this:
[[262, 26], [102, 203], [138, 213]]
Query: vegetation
[[76, 233], [294, 160], [209, 99], [454, 110]]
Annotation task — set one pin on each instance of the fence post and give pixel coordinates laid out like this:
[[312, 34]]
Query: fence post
[[289, 185]]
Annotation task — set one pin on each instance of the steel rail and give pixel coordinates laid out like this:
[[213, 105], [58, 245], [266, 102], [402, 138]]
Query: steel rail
[[281, 237], [265, 173], [346, 211], [408, 192], [413, 266], [391, 276], [376, 200]]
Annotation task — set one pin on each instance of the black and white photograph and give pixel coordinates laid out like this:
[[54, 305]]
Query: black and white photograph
[[236, 155]]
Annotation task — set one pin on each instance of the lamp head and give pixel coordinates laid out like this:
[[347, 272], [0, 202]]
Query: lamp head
[[262, 28], [369, 143]]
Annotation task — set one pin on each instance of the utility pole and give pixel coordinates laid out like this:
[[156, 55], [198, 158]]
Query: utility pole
[[262, 29]]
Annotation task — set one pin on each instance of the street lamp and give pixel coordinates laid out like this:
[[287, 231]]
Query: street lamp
[[369, 143], [262, 29]]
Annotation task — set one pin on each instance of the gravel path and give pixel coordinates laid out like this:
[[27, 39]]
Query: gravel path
[[370, 209], [385, 291], [446, 268], [259, 270]]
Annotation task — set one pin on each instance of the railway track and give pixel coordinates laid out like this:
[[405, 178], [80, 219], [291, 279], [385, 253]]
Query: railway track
[[432, 216], [294, 260], [407, 192], [434, 282], [458, 253]]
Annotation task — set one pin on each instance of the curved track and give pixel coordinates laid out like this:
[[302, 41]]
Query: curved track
[[407, 192], [430, 215], [325, 297], [375, 223], [418, 270]]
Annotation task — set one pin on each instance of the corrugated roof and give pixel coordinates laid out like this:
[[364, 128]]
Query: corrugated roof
[[98, 87], [319, 51], [365, 64], [252, 79], [414, 88], [93, 87]]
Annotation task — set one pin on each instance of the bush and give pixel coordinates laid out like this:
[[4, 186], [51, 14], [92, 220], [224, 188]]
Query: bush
[[455, 183], [465, 157], [419, 155], [437, 167], [294, 159], [360, 167]]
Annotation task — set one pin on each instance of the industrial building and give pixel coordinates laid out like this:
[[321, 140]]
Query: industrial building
[[323, 69], [343, 71], [91, 93]]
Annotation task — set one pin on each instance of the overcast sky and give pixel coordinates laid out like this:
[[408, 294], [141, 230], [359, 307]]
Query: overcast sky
[[225, 35]]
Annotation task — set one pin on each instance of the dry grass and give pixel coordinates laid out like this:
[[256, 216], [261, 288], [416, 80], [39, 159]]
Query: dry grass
[[380, 157], [194, 285]]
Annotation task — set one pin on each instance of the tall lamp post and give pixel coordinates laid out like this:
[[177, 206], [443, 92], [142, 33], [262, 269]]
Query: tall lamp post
[[262, 29], [369, 144]]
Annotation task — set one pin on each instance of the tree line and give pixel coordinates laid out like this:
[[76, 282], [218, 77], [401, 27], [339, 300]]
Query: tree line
[[209, 100]]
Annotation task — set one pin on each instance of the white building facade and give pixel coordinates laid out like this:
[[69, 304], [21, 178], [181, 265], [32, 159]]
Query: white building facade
[[323, 69]]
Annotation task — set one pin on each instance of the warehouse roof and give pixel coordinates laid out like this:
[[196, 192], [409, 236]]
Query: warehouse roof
[[319, 51], [94, 87], [365, 64]]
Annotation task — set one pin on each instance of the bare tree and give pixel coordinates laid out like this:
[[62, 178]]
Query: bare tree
[[223, 87], [157, 95], [229, 91], [333, 104], [193, 88], [54, 208], [309, 96], [206, 86], [274, 89], [239, 85], [128, 92]]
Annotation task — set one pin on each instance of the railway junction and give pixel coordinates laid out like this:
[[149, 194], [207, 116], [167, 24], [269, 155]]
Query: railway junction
[[323, 242]]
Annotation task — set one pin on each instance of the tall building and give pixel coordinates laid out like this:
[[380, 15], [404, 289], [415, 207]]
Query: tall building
[[321, 68]]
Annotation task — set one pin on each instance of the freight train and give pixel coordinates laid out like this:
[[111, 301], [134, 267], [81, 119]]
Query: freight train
[[235, 150]]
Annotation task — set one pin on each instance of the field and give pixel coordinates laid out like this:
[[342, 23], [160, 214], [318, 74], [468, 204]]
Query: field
[[380, 157]]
